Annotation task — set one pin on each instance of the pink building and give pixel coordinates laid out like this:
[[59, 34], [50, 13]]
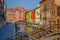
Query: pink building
[[15, 14]]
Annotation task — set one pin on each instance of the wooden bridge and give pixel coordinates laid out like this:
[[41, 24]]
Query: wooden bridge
[[50, 32]]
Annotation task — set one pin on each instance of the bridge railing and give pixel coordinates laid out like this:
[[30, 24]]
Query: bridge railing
[[53, 25]]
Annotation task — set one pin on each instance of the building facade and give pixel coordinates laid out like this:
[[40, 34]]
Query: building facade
[[50, 16], [29, 17], [15, 14], [49, 10], [37, 19], [33, 15]]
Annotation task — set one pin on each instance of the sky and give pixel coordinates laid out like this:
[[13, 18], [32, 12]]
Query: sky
[[27, 4]]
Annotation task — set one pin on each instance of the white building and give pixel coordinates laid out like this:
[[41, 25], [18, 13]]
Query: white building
[[37, 20]]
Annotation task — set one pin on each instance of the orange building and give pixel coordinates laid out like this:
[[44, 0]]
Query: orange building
[[33, 15], [15, 14]]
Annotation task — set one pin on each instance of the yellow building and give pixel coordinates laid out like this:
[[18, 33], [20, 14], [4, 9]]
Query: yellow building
[[29, 17]]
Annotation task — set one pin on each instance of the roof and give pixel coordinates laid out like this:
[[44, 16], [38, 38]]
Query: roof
[[42, 1]]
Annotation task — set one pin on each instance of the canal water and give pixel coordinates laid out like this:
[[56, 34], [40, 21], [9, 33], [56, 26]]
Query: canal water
[[7, 30]]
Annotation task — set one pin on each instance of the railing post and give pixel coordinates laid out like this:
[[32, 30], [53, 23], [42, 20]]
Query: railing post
[[50, 25], [58, 23], [16, 32], [22, 36], [54, 26]]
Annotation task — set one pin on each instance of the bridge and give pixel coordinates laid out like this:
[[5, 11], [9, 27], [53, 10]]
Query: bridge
[[47, 34], [50, 32]]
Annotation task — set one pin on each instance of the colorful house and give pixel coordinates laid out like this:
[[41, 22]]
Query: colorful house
[[29, 17], [15, 14], [33, 15], [37, 19]]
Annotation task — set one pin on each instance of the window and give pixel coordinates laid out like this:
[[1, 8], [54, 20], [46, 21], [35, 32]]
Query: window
[[13, 14], [44, 7], [40, 16], [11, 20], [58, 14], [44, 14], [44, 22], [48, 13], [54, 12], [37, 13], [58, 11], [10, 14], [13, 11], [19, 17], [47, 22], [51, 4], [14, 17], [0, 10], [20, 14], [19, 11]]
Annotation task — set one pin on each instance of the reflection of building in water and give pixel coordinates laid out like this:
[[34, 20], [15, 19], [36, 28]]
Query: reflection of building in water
[[29, 29], [2, 11], [21, 26]]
